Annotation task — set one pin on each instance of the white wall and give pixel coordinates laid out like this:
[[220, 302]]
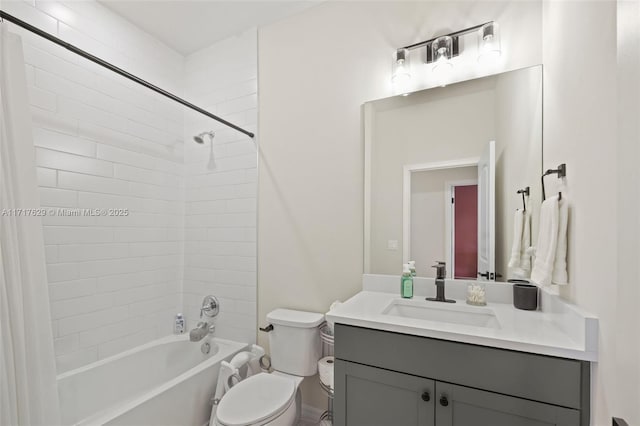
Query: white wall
[[628, 176], [220, 239], [316, 70], [102, 142]]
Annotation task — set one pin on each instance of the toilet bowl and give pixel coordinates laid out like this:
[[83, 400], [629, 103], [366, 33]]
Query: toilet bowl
[[263, 399], [273, 399]]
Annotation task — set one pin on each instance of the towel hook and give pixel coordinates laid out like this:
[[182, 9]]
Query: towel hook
[[561, 171], [524, 192]]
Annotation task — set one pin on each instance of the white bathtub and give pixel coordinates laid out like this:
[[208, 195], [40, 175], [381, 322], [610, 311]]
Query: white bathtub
[[165, 382]]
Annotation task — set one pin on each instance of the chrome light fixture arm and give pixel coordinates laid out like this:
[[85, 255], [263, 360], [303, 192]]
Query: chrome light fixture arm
[[454, 35]]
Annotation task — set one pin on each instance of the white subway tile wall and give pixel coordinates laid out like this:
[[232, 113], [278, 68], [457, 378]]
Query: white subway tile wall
[[102, 142], [220, 213]]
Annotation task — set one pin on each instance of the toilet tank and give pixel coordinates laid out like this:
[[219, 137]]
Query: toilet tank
[[294, 341]]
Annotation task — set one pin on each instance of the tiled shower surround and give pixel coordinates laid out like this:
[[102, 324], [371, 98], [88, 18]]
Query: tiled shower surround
[[174, 230], [220, 210]]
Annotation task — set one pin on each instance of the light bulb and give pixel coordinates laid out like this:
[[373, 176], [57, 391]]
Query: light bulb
[[488, 43], [401, 79], [442, 66], [442, 71]]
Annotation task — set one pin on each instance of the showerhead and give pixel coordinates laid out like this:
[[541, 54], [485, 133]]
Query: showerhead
[[200, 138]]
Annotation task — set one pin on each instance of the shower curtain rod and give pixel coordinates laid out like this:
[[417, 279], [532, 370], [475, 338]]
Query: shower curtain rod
[[109, 66]]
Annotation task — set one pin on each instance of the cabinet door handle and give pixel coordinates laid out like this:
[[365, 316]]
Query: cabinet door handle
[[426, 397], [444, 401]]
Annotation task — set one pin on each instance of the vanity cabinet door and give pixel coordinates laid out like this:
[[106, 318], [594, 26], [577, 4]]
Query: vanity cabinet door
[[369, 396], [462, 406]]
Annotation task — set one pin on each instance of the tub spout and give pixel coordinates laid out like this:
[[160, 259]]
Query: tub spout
[[201, 330]]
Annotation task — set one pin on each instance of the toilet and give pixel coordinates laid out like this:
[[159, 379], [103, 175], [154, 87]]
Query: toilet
[[273, 399]]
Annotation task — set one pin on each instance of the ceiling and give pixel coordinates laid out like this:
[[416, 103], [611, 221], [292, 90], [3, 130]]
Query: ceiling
[[190, 25]]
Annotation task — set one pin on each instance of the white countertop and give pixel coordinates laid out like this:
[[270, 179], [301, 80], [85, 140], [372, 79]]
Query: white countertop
[[558, 329]]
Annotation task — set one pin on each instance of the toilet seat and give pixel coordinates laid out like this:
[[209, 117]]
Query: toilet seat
[[256, 399]]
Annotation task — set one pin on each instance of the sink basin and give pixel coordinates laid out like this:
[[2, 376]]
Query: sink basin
[[443, 312]]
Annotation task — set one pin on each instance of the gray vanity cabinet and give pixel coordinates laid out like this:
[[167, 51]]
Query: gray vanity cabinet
[[390, 379], [378, 397], [463, 406]]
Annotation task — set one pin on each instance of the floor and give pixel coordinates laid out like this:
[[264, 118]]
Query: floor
[[309, 423]]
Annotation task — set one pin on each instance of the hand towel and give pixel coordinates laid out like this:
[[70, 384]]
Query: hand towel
[[547, 242], [559, 275], [516, 246], [525, 258]]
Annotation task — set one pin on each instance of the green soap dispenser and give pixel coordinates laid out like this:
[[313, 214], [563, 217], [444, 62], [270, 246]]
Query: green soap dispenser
[[406, 282]]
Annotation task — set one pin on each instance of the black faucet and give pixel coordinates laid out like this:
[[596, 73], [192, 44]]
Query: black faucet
[[441, 272]]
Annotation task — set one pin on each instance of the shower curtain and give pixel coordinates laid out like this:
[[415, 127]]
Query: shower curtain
[[28, 390]]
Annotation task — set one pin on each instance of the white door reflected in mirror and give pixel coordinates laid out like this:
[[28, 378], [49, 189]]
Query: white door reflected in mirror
[[487, 213]]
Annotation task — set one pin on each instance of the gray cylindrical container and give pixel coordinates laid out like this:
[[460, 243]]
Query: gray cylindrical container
[[525, 295]]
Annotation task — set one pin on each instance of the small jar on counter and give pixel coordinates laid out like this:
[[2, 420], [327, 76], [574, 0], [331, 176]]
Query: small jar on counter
[[476, 294]]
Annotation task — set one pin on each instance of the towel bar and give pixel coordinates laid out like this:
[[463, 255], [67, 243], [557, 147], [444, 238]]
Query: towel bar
[[561, 171], [524, 192]]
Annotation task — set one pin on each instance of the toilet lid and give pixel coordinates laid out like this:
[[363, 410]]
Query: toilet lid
[[255, 399]]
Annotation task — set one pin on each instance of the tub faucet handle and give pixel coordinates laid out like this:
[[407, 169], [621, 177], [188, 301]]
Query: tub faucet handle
[[210, 306]]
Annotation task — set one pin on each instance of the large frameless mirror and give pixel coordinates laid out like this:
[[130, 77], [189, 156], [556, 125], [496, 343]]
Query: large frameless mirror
[[445, 170]]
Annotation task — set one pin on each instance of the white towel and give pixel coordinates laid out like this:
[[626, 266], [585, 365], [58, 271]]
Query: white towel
[[525, 258], [516, 246], [520, 260], [559, 275], [547, 242]]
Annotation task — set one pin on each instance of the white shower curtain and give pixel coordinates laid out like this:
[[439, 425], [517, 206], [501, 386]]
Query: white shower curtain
[[28, 390]]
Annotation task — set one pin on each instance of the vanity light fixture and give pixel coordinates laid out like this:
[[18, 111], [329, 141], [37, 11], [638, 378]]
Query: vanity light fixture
[[488, 42], [401, 78], [440, 51]]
